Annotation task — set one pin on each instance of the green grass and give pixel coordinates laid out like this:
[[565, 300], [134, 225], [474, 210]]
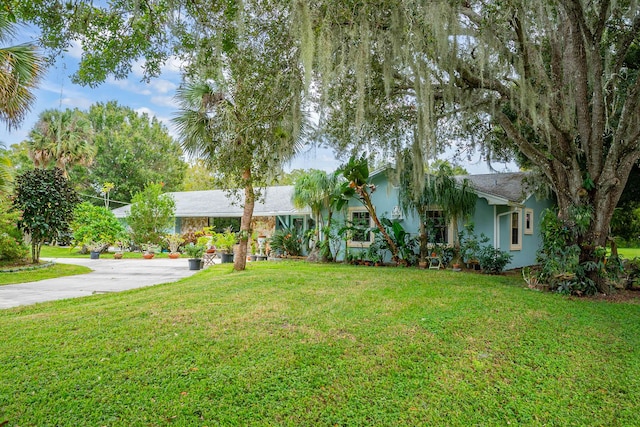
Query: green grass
[[60, 252], [629, 253], [313, 345], [57, 270]]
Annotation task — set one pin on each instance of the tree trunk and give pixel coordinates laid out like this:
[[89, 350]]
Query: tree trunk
[[327, 256], [240, 259], [603, 200], [366, 199]]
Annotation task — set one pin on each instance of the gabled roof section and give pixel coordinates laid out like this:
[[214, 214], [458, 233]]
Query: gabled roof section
[[218, 204], [500, 188]]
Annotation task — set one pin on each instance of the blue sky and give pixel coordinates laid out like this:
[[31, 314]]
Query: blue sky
[[155, 98]]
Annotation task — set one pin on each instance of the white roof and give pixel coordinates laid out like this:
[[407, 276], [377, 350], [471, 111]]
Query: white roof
[[219, 204]]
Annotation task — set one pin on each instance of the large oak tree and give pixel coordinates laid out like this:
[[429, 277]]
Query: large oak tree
[[553, 75]]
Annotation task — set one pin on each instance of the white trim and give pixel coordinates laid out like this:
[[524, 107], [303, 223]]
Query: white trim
[[528, 229], [363, 243], [515, 246]]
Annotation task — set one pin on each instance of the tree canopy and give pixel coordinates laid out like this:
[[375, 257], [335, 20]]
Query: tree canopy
[[554, 80], [132, 149]]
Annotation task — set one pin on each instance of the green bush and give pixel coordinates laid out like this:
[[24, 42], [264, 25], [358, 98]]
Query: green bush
[[492, 260], [286, 242], [151, 215], [93, 224], [11, 246]]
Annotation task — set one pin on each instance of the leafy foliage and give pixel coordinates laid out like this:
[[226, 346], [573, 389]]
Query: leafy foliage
[[151, 215], [61, 139], [286, 242], [492, 260], [559, 257], [404, 242], [92, 224], [133, 149], [11, 246], [47, 202], [21, 68]]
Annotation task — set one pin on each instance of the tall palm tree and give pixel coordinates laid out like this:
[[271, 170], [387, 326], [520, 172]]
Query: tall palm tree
[[319, 190], [61, 138], [21, 68], [234, 142]]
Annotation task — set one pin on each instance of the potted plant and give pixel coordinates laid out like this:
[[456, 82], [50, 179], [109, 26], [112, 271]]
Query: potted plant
[[119, 249], [95, 248], [224, 242], [254, 250], [174, 240], [148, 251], [194, 252]]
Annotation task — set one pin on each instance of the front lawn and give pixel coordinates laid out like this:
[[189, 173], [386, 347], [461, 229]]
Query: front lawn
[[57, 270], [298, 344]]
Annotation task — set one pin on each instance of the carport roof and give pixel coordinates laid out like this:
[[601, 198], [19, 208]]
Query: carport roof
[[219, 204]]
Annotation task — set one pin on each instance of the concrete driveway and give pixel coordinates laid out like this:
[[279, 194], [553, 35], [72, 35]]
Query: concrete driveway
[[108, 275]]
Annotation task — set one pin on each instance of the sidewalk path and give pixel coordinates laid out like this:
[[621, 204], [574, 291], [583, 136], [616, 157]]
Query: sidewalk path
[[108, 275]]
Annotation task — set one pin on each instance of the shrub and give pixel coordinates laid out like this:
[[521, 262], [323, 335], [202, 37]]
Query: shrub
[[93, 224], [286, 242], [11, 246], [492, 260], [151, 215]]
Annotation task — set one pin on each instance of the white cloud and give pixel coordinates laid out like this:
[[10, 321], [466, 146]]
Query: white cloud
[[164, 101], [156, 86], [79, 102], [129, 86], [174, 65], [75, 50], [162, 86]]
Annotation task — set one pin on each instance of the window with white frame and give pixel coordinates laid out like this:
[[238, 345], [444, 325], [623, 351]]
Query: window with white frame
[[516, 235], [360, 221], [528, 221]]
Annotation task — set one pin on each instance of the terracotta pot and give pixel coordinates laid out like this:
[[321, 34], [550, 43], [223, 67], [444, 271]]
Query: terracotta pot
[[148, 256], [174, 255], [117, 255]]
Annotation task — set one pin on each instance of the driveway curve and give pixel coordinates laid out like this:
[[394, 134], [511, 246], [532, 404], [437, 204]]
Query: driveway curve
[[108, 275]]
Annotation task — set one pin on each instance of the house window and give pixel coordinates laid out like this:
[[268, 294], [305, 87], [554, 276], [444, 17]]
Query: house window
[[528, 221], [516, 242], [437, 228], [361, 234]]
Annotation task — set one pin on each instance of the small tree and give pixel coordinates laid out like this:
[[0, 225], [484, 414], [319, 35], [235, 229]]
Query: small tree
[[46, 201], [151, 215], [95, 224]]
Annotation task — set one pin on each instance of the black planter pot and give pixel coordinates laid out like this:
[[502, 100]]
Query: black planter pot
[[94, 255], [226, 258], [195, 264]]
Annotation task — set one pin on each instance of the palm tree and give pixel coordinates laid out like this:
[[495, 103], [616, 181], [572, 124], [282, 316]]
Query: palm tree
[[20, 71], [456, 199], [234, 142], [319, 190], [438, 190], [418, 198], [61, 138]]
